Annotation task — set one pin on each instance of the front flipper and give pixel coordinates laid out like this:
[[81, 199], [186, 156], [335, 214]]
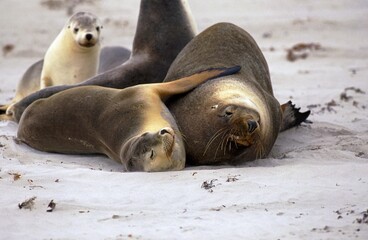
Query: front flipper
[[292, 117]]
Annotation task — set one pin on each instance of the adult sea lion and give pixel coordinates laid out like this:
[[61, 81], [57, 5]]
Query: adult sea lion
[[131, 125], [233, 118], [112, 56], [164, 28]]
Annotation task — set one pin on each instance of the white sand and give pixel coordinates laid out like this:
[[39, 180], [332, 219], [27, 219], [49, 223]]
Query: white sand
[[314, 185]]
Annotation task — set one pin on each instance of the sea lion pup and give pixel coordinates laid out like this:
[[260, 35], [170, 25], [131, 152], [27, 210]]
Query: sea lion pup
[[164, 28], [132, 125], [110, 57], [73, 56], [234, 118]]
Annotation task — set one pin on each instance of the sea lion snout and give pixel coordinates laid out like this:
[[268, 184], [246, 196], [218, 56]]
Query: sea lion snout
[[243, 124], [89, 39]]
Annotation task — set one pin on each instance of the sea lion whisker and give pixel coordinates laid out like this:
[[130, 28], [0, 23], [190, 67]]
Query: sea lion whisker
[[180, 133], [168, 144], [259, 149], [230, 138], [213, 139], [224, 140], [219, 146], [228, 141]]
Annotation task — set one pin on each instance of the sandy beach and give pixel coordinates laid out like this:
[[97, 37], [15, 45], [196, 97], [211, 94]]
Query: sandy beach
[[314, 184]]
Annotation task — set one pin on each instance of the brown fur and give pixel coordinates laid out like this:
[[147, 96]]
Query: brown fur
[[230, 119], [131, 125]]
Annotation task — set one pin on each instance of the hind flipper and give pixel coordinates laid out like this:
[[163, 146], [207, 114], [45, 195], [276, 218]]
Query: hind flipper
[[3, 109], [292, 117]]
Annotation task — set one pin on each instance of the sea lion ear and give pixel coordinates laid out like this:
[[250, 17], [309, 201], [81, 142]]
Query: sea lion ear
[[69, 26], [292, 117]]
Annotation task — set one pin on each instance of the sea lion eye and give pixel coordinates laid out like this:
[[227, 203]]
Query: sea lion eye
[[228, 113], [76, 30]]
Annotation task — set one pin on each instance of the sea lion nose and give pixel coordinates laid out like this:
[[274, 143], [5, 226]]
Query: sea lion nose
[[252, 126], [89, 36]]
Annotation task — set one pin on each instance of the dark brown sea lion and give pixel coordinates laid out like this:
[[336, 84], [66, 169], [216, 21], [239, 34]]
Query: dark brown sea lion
[[164, 28], [131, 125], [234, 118]]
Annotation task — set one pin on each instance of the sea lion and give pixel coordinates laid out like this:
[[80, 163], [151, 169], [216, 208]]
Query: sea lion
[[73, 56], [234, 118], [164, 28], [110, 57], [131, 125]]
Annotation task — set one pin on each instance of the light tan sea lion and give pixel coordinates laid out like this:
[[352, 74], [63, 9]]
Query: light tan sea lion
[[234, 118], [73, 56], [132, 125], [164, 28]]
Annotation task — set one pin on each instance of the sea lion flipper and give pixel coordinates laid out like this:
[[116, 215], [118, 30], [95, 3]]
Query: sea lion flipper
[[291, 116], [3, 108], [185, 84]]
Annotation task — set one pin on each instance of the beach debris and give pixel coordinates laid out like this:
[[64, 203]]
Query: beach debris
[[7, 48], [344, 95], [208, 185], [344, 98], [16, 176], [301, 51], [267, 35], [51, 206], [232, 178], [27, 204], [364, 218], [217, 209]]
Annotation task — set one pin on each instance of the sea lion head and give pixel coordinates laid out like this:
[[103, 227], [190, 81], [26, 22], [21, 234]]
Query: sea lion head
[[235, 124], [232, 122], [154, 151], [85, 29], [240, 124]]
